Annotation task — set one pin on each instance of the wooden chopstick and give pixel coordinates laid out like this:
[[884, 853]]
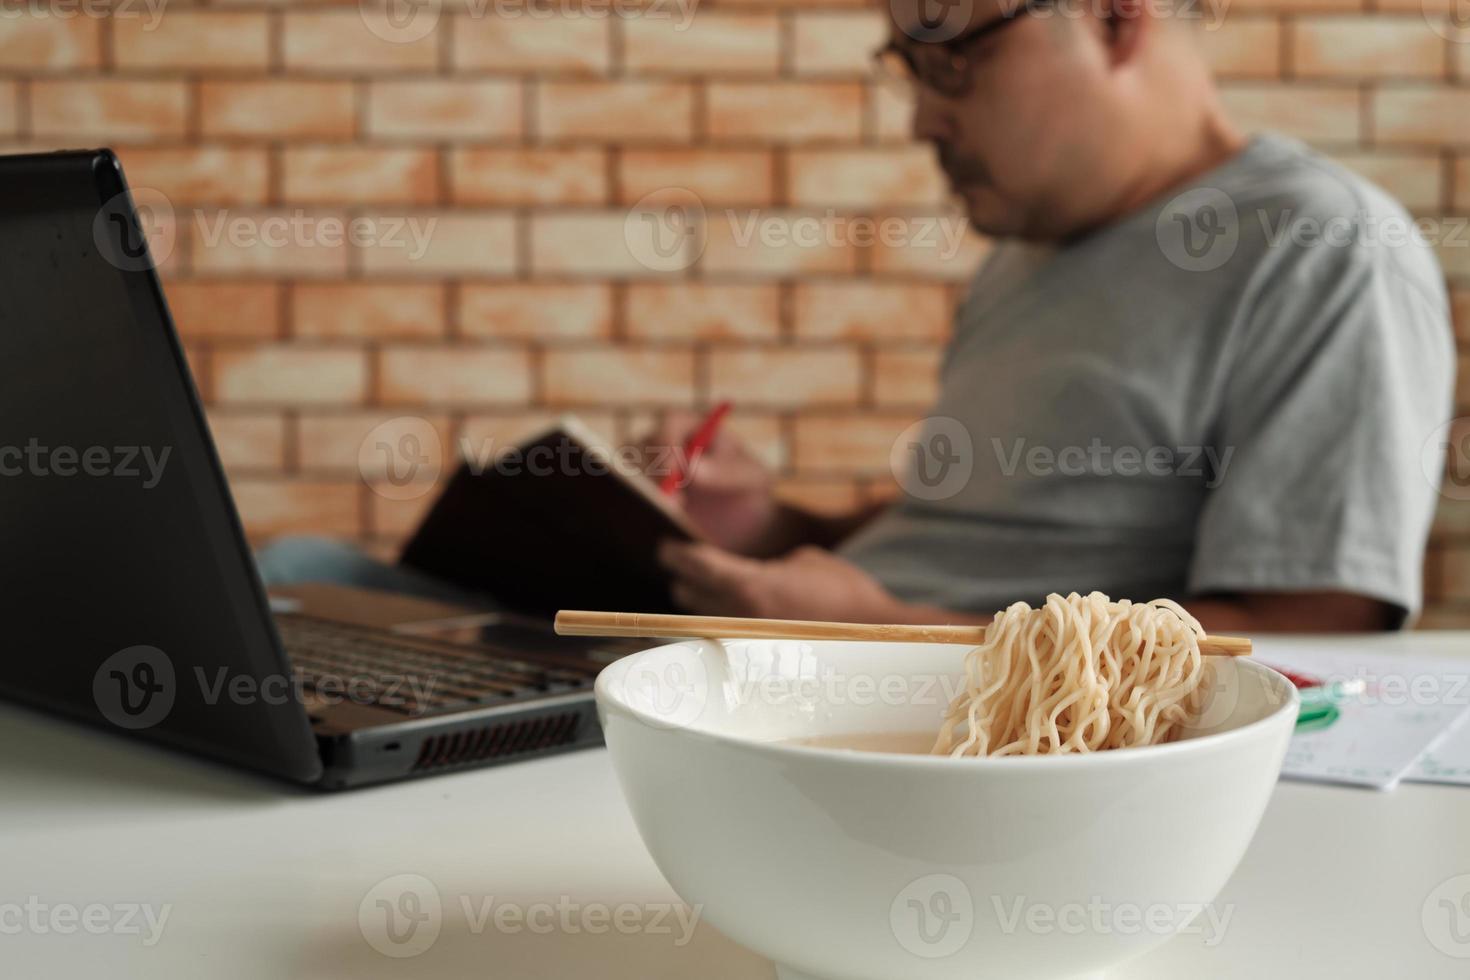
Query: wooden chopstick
[[581, 622]]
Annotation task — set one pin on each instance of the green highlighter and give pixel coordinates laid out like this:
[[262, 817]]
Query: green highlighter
[[1319, 704]]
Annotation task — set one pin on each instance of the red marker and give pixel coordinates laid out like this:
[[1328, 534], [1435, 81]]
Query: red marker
[[698, 442]]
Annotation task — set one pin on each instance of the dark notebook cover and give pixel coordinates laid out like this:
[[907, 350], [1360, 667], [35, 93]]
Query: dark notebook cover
[[550, 527]]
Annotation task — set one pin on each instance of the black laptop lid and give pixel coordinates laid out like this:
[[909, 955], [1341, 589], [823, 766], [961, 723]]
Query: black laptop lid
[[128, 593]]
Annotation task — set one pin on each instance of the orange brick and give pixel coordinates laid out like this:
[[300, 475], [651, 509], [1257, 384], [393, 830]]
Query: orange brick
[[611, 376], [454, 376], [1418, 114], [600, 243], [296, 242], [204, 310], [388, 515], [343, 40], [1412, 177], [906, 376], [565, 43], [850, 444], [445, 109], [626, 111], [440, 243], [703, 311], [281, 374], [1452, 517], [108, 109], [360, 175], [9, 108], [281, 109], [272, 507], [1460, 305], [49, 43], [785, 376], [794, 112], [1302, 6], [709, 43], [1316, 113], [1454, 257], [523, 175], [1460, 189], [1243, 47], [211, 175], [893, 112], [1366, 47], [1455, 573], [247, 441], [865, 310], [211, 40], [334, 442], [363, 310], [536, 311], [781, 243], [715, 176], [907, 177], [929, 247], [837, 42]]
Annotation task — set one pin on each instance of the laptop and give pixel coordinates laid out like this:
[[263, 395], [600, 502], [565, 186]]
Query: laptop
[[130, 596]]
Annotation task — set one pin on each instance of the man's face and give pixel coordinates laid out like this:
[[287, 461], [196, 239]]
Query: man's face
[[1015, 107]]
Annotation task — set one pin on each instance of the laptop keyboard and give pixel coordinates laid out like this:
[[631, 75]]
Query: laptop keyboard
[[367, 666]]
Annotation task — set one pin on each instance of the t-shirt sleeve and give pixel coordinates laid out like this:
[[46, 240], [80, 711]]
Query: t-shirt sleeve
[[1342, 373]]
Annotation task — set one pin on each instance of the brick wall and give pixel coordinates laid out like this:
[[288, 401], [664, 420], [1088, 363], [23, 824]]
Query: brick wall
[[526, 139]]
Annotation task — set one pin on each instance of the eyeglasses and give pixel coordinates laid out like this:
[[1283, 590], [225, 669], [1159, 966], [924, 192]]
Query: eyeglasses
[[947, 67]]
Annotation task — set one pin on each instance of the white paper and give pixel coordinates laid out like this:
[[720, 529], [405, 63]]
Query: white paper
[[1407, 704], [1447, 760]]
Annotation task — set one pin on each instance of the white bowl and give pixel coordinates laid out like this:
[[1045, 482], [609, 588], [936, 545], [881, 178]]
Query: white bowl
[[846, 865]]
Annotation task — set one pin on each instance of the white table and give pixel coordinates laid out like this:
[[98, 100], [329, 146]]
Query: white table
[[263, 881]]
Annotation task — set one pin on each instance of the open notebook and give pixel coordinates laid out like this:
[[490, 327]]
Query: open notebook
[[554, 522]]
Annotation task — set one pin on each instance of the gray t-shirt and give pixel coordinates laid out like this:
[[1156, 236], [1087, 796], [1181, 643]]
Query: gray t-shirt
[[1231, 389]]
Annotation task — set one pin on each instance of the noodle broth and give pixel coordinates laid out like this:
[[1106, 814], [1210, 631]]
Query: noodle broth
[[900, 743]]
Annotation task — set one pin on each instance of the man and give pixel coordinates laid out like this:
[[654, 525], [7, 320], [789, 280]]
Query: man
[[1196, 365], [1164, 286]]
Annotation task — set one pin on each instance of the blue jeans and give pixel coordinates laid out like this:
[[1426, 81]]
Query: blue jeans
[[300, 559]]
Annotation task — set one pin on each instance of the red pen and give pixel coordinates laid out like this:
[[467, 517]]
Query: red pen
[[697, 443]]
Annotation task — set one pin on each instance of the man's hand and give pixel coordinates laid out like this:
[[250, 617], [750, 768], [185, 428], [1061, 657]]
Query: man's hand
[[726, 491], [807, 583]]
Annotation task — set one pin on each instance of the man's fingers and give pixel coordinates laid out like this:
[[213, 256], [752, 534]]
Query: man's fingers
[[705, 565], [702, 602]]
